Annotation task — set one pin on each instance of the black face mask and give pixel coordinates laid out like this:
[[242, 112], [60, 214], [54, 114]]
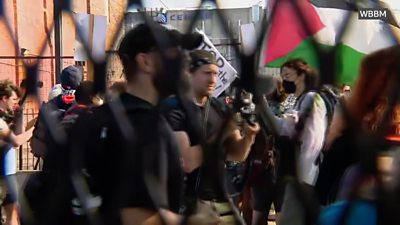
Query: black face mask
[[289, 86]]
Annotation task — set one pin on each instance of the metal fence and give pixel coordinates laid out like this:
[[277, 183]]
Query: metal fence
[[12, 68], [248, 64]]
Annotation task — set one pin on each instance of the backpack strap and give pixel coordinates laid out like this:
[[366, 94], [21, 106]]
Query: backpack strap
[[300, 125], [330, 103]]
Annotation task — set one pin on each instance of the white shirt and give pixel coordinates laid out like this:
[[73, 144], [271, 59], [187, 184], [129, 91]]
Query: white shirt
[[312, 136]]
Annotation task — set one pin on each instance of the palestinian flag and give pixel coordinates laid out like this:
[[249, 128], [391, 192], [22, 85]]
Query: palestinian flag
[[288, 39]]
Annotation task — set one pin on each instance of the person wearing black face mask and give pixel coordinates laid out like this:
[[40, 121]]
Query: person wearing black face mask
[[305, 127], [289, 86], [293, 80], [308, 119]]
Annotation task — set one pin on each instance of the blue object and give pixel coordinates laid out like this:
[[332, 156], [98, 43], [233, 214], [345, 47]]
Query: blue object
[[361, 212], [10, 161]]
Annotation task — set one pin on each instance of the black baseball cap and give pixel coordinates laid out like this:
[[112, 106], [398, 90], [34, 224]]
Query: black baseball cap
[[142, 39], [71, 77]]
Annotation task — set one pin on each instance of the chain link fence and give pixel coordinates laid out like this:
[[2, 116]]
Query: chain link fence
[[110, 69]]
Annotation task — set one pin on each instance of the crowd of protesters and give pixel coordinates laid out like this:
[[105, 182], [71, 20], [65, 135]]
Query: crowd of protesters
[[158, 148]]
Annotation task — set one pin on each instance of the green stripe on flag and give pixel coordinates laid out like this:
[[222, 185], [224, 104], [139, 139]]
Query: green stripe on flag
[[304, 50], [347, 59], [348, 64]]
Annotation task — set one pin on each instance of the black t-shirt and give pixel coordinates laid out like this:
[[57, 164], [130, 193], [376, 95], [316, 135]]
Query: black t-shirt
[[144, 171], [211, 172]]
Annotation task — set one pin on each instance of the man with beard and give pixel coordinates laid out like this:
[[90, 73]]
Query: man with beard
[[130, 151], [8, 142]]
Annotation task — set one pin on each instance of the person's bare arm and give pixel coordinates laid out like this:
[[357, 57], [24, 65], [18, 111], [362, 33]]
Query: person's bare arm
[[7, 135], [20, 139], [238, 146]]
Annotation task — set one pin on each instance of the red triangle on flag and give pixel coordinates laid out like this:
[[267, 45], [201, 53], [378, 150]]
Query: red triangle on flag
[[287, 31]]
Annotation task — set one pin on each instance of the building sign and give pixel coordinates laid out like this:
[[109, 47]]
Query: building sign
[[226, 73], [178, 15], [204, 15]]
